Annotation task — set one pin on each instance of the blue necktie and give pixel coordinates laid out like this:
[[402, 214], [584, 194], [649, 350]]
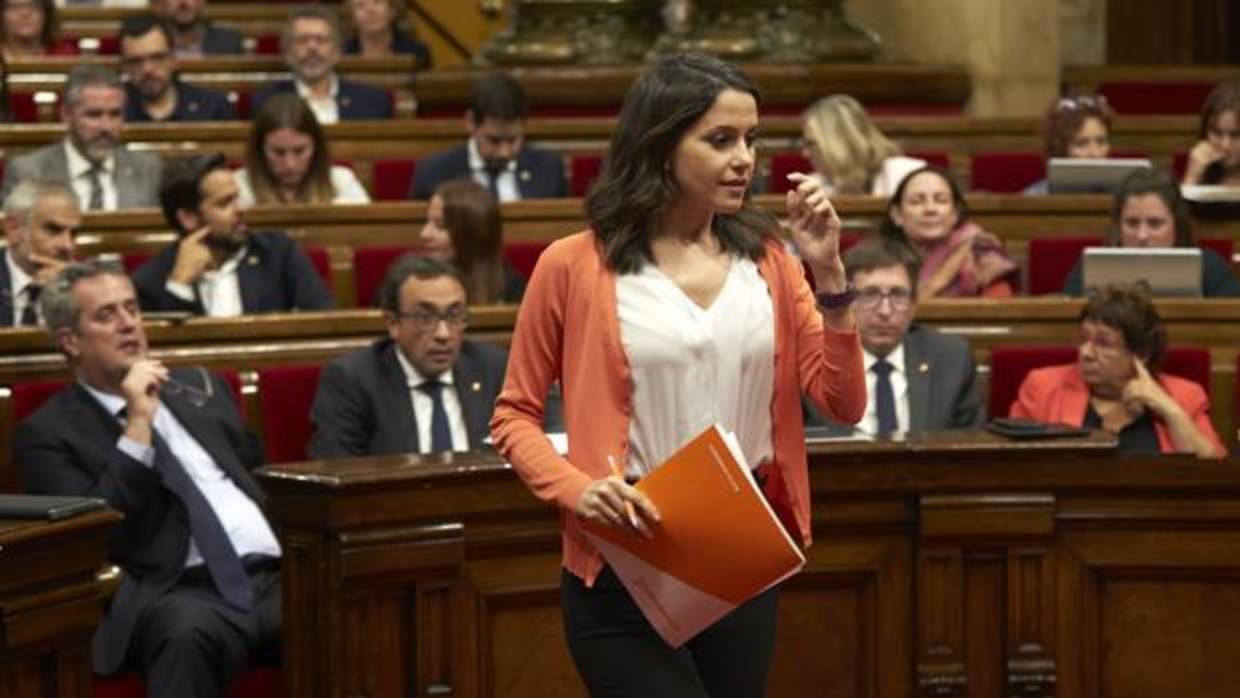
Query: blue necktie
[[217, 551], [441, 435], [884, 398]]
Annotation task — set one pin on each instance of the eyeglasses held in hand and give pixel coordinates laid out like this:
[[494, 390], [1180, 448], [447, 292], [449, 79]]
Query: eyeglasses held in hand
[[872, 297], [425, 319], [194, 395]]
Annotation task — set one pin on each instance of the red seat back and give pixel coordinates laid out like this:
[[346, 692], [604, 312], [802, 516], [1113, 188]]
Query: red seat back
[[583, 169], [322, 263], [1052, 259], [1008, 172], [524, 255], [369, 266], [392, 178], [784, 164], [1192, 363], [1222, 246], [938, 158], [285, 394], [256, 682], [1156, 97], [28, 397]]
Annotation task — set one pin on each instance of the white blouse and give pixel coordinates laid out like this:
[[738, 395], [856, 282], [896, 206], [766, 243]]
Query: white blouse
[[348, 188], [692, 367]]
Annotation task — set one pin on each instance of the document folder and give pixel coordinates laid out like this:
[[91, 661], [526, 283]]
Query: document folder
[[718, 543]]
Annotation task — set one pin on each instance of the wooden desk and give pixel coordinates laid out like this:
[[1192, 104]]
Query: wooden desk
[[51, 600], [961, 565]]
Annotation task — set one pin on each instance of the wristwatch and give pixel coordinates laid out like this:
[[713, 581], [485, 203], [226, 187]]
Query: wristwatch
[[834, 301]]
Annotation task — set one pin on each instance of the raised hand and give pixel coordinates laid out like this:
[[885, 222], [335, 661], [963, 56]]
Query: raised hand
[[1200, 158], [1143, 392], [140, 388], [193, 257], [815, 228], [47, 268]]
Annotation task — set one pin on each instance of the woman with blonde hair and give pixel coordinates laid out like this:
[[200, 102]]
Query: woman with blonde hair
[[287, 161], [849, 153]]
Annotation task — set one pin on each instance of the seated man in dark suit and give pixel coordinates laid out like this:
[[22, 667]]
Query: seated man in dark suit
[[218, 267], [422, 388], [193, 35], [200, 597], [91, 158], [154, 92], [312, 42], [41, 220], [917, 378], [495, 155]]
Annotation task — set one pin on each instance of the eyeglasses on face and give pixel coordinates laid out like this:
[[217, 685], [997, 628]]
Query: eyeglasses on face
[[424, 319], [872, 297]]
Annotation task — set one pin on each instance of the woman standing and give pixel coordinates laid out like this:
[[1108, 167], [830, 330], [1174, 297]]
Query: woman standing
[[287, 162], [678, 309]]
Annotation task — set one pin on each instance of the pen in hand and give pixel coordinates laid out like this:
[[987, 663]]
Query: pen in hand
[[628, 506]]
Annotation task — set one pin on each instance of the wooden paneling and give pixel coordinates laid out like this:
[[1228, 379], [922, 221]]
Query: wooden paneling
[[1152, 31]]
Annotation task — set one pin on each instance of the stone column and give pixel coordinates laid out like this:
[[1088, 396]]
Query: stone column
[[1011, 49]]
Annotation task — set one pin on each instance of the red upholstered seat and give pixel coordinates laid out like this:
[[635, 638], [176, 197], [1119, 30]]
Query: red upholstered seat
[[1052, 259], [392, 178], [1179, 165], [28, 397], [23, 107], [259, 682], [1007, 172], [938, 158], [1156, 97], [285, 394], [369, 266], [583, 169], [1010, 365], [321, 261], [524, 255], [267, 45], [784, 164]]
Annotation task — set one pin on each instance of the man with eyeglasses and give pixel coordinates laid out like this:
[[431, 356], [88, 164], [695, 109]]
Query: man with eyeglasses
[[421, 389], [917, 378], [312, 44], [153, 90], [200, 598]]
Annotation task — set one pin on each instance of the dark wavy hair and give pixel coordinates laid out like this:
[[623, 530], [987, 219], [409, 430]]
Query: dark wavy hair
[[1152, 181], [636, 185], [888, 228], [1130, 310], [1067, 115]]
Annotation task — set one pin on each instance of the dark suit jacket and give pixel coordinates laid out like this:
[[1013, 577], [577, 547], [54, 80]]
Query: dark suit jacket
[[6, 292], [136, 175], [193, 104], [941, 384], [275, 275], [354, 99], [218, 41], [151, 543], [362, 406], [540, 173]]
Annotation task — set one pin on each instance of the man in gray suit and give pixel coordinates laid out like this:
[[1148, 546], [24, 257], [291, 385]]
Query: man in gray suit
[[917, 378], [91, 159], [420, 389]]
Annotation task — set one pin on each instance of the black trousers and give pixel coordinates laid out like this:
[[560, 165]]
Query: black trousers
[[191, 644], [619, 654]]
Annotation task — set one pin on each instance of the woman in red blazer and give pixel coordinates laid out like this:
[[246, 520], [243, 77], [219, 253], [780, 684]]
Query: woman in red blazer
[[1115, 383]]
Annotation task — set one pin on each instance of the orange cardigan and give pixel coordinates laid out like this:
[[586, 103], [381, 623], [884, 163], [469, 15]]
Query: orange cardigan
[[1059, 394], [567, 329]]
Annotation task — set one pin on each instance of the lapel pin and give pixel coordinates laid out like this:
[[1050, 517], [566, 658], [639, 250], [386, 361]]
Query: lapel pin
[[525, 175], [252, 260], [193, 106], [344, 101], [476, 387], [924, 367]]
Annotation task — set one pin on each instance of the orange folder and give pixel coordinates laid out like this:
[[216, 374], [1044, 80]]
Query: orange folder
[[718, 544]]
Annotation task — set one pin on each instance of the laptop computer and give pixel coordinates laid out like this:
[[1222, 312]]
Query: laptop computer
[[1086, 176], [1169, 271]]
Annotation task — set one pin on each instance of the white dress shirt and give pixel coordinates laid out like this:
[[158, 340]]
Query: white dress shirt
[[899, 389], [506, 183], [19, 290], [692, 367], [423, 407], [243, 521], [79, 177], [325, 108], [219, 289], [347, 187]]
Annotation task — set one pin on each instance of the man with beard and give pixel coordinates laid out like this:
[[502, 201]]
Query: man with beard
[[104, 174], [200, 597], [917, 378], [218, 267], [40, 222], [154, 92], [496, 155], [312, 42], [192, 35]]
